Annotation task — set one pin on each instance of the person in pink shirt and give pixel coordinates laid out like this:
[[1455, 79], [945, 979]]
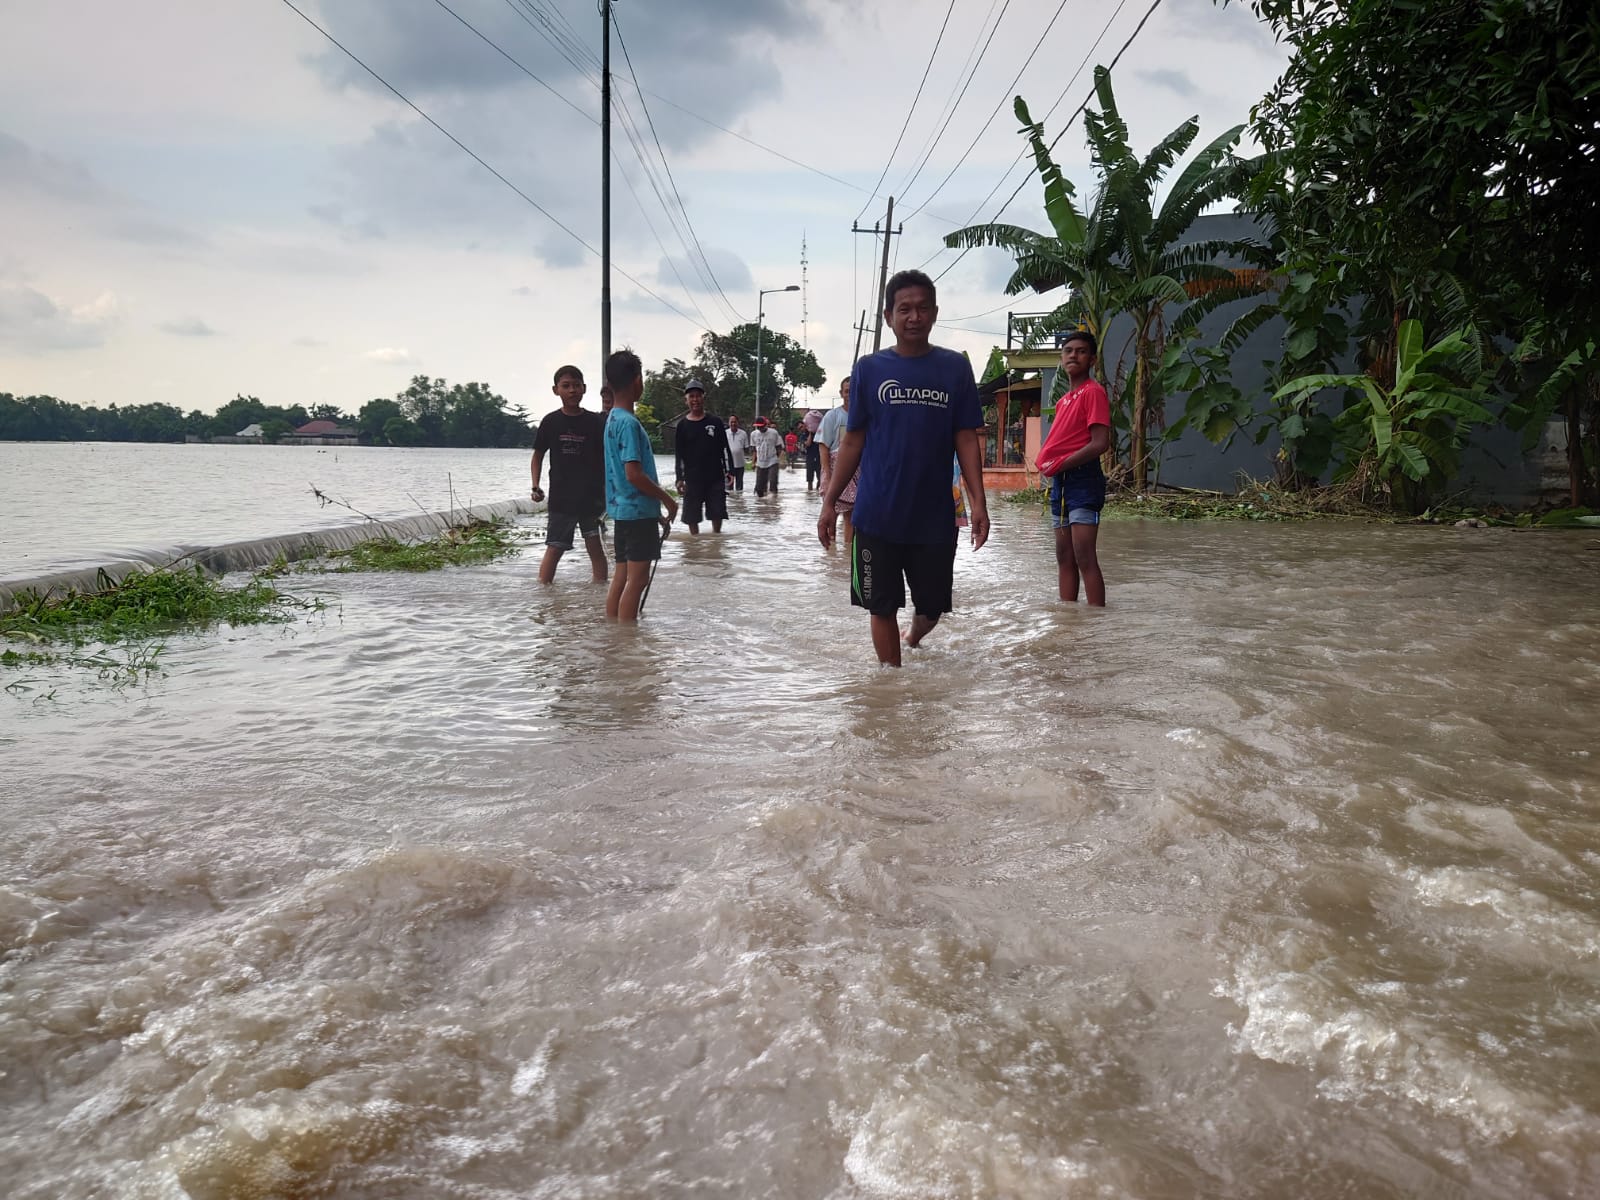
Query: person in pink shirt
[[1070, 457]]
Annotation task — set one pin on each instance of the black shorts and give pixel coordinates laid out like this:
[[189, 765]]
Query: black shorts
[[880, 571], [703, 494], [636, 541], [559, 528]]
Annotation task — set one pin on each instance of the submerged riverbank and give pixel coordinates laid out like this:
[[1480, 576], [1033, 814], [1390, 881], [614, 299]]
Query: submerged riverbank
[[1277, 877]]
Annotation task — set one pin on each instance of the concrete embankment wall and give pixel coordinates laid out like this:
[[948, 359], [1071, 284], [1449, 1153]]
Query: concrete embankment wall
[[258, 552]]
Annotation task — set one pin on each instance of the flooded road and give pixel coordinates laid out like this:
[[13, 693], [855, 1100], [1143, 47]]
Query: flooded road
[[1280, 877]]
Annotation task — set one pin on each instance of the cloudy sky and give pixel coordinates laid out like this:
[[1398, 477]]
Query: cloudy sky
[[206, 197]]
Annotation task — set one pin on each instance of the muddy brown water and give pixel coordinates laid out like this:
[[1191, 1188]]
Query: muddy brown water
[[1277, 878]]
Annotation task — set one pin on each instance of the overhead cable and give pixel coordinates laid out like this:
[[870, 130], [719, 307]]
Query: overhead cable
[[904, 125], [464, 148], [950, 114], [668, 167], [1074, 116], [593, 120], [1060, 96], [984, 128]]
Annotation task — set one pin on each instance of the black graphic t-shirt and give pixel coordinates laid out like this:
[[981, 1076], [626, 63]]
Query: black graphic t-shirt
[[574, 448], [702, 449]]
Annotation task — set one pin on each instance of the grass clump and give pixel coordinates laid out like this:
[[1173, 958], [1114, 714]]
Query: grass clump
[[144, 604], [459, 546], [117, 630]]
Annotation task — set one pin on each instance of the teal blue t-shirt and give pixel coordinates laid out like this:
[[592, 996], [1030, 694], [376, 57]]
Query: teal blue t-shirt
[[627, 442]]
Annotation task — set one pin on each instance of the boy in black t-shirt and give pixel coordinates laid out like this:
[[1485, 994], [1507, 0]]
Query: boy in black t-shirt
[[574, 435]]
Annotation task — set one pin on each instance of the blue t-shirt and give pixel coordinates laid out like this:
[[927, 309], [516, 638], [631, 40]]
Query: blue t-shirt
[[911, 409], [626, 442]]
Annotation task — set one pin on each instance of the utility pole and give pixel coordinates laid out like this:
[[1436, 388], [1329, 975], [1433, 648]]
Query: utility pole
[[883, 271], [605, 183], [860, 329]]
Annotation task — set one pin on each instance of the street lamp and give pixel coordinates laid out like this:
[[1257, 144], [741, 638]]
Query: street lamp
[[760, 296]]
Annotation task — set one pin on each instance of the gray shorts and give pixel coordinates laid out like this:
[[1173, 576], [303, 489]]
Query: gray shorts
[[559, 528]]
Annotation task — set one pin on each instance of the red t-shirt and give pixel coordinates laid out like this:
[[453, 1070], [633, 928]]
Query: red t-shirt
[[1080, 408], [791, 443]]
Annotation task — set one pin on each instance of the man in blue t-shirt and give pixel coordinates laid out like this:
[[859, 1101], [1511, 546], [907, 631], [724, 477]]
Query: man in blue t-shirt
[[911, 407], [633, 495]]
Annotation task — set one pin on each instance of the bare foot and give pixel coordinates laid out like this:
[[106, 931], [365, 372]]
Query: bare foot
[[920, 628]]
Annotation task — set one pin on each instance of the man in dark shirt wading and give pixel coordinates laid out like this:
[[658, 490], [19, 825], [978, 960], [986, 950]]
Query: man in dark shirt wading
[[913, 409], [704, 461]]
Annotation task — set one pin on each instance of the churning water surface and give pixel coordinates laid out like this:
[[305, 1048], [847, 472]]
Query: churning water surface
[[1277, 878]]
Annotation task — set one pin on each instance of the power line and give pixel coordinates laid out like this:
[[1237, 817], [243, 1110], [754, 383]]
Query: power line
[[561, 43], [1116, 58], [630, 127], [569, 46], [937, 42], [950, 115], [462, 146], [1060, 96], [979, 316], [638, 149], [627, 58], [1060, 8], [491, 44], [649, 224], [632, 133]]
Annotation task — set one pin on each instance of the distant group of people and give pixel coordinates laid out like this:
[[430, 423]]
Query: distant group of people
[[890, 468]]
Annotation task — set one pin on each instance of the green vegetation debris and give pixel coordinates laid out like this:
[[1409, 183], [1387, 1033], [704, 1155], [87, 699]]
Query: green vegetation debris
[[460, 546], [117, 629]]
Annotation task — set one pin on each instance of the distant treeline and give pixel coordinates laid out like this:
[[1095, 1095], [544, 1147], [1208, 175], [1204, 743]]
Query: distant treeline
[[430, 412]]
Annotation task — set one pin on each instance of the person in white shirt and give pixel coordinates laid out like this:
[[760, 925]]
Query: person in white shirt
[[739, 444], [828, 435], [769, 455]]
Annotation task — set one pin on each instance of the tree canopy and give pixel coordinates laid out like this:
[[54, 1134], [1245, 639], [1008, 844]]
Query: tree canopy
[[726, 365], [430, 412]]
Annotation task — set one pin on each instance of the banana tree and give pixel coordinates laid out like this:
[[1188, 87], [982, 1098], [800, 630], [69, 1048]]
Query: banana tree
[[1412, 432], [1079, 253], [1124, 254]]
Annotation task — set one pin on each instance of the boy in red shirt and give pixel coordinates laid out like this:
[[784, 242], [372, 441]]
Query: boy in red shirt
[[1071, 457]]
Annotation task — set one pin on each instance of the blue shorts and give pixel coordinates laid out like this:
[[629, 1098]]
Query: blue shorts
[[1077, 496]]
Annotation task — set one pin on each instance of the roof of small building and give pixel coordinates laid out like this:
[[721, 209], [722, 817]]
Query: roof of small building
[[319, 428]]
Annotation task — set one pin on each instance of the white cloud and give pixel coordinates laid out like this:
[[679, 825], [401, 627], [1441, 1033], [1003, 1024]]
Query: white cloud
[[393, 356], [33, 323]]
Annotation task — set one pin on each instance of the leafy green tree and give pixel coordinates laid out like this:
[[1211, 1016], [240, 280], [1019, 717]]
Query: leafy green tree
[[40, 419], [154, 422], [374, 416], [994, 366], [1446, 154], [275, 428], [236, 414], [328, 412], [425, 403], [663, 390], [726, 364], [401, 431]]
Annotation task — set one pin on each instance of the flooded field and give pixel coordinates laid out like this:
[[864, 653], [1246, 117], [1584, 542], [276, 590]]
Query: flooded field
[[1279, 877]]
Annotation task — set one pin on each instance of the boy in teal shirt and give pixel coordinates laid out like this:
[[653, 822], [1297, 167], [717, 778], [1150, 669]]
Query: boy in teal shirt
[[633, 495]]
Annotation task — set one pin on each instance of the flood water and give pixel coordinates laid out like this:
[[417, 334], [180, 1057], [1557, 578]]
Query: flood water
[[74, 504], [1280, 877]]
